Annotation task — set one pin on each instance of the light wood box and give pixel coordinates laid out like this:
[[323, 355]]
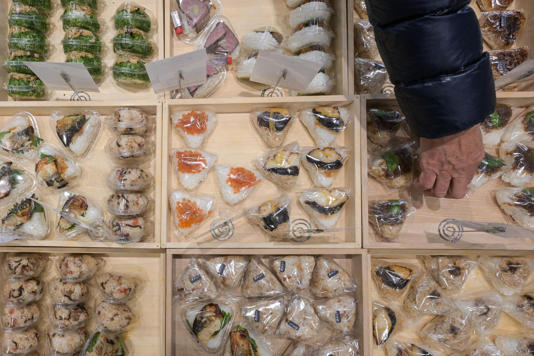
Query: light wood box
[[236, 142], [109, 89], [95, 167], [147, 335], [179, 342], [248, 16]]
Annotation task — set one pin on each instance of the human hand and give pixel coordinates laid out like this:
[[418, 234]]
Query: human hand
[[449, 163]]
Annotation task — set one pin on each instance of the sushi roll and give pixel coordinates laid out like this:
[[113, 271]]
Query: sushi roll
[[129, 179], [504, 60], [20, 317], [324, 205], [281, 166], [383, 124], [236, 183], [20, 137], [243, 342], [189, 211], [130, 71], [132, 16], [294, 272], [67, 317], [515, 345], [194, 126], [393, 166], [92, 62], [318, 11], [265, 38], [192, 166], [78, 208], [508, 275], [128, 204], [22, 292], [311, 35], [77, 268], [388, 217], [501, 28], [67, 342], [521, 129], [27, 219], [259, 281], [128, 147], [127, 230], [324, 164], [68, 293], [80, 16], [490, 168], [300, 323], [227, 271], [318, 55], [384, 323], [321, 83], [13, 182], [325, 123], [494, 5], [130, 121], [329, 279], [25, 265], [494, 125], [272, 125], [20, 342], [521, 158], [113, 318], [518, 203], [263, 315], [195, 283], [115, 287], [55, 169], [81, 40], [77, 132], [272, 217]]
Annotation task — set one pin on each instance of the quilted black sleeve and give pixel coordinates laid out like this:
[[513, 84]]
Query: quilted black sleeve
[[433, 52]]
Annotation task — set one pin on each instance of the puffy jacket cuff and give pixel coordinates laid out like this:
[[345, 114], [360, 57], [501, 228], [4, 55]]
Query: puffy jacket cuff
[[448, 104]]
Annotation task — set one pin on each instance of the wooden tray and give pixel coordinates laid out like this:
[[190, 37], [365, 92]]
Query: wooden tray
[[475, 283], [236, 142], [420, 229], [147, 336], [95, 167], [246, 17], [178, 342], [109, 90]]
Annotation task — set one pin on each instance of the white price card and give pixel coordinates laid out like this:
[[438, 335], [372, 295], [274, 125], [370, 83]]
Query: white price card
[[183, 71], [63, 76], [288, 72]]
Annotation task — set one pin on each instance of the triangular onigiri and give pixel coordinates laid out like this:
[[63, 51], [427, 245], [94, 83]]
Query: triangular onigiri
[[236, 183], [192, 166], [194, 126], [260, 281], [325, 123], [330, 280], [189, 211], [195, 283], [324, 205]]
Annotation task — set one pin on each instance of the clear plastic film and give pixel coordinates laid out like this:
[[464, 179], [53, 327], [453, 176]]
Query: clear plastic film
[[394, 165], [508, 275], [129, 179], [325, 205], [312, 33], [66, 342], [272, 125], [383, 124], [494, 5], [22, 86], [227, 271], [398, 348], [300, 322], [15, 62], [521, 308], [43, 5], [450, 272], [490, 168], [297, 349], [130, 148], [244, 341], [24, 265], [484, 347], [113, 318], [386, 322], [21, 317], [330, 280], [346, 346], [14, 182], [387, 217], [81, 16], [501, 28], [519, 130], [22, 291], [426, 297], [319, 11], [132, 41], [93, 4], [92, 62], [131, 121], [130, 71], [259, 281], [77, 131], [20, 342], [517, 345], [272, 217], [132, 16], [263, 315], [77, 268], [322, 83], [339, 313], [369, 76], [195, 15], [26, 219], [324, 163], [101, 344], [68, 293], [494, 126], [364, 41], [194, 126], [25, 39], [504, 60], [520, 156], [266, 38], [482, 309], [56, 169], [127, 230], [281, 165], [195, 284], [81, 40], [189, 211], [26, 16], [295, 272], [192, 166], [236, 183], [453, 331], [326, 123], [219, 38], [392, 279], [68, 317], [19, 137], [128, 204]]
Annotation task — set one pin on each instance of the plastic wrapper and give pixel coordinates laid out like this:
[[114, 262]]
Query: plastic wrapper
[[520, 157], [20, 342], [518, 345], [494, 125], [78, 131], [385, 322], [295, 272], [194, 126], [100, 344], [392, 279], [79, 209], [259, 281], [297, 349], [393, 166], [236, 183], [42, 5], [317, 11], [484, 347], [80, 16], [128, 204], [369, 76], [55, 169], [426, 297], [20, 317], [133, 16], [195, 15], [189, 211], [452, 331], [195, 284], [93, 4], [81, 40], [281, 165], [22, 86], [450, 272], [508, 275], [364, 41], [25, 39], [116, 288], [501, 28], [361, 8], [113, 318], [247, 342], [519, 130], [14, 182], [127, 230], [26, 218], [325, 123], [26, 16], [130, 71], [134, 41], [68, 293], [209, 323], [346, 346], [490, 168], [300, 323], [19, 137], [68, 317], [521, 308], [15, 62], [263, 315], [321, 84], [272, 217], [483, 310], [265, 38], [129, 148], [398, 348], [318, 55], [24, 265], [272, 125], [324, 206], [491, 5], [387, 217], [192, 166], [505, 60], [92, 62], [129, 179], [66, 343], [324, 163], [330, 280], [77, 268], [131, 121], [383, 124], [227, 271], [220, 38], [339, 313], [244, 70], [314, 33], [22, 291]]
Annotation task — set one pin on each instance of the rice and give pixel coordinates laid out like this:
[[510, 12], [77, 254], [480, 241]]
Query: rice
[[257, 41], [245, 68], [216, 341], [227, 191], [308, 36], [326, 60], [67, 342], [36, 227], [506, 202], [191, 180], [493, 137], [211, 84], [195, 141], [321, 135], [80, 144], [517, 178], [320, 84], [72, 171], [314, 10], [324, 221], [204, 203]]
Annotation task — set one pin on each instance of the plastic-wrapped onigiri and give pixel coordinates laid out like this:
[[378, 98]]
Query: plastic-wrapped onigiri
[[313, 10], [518, 204], [192, 166], [189, 211], [27, 218], [194, 126], [236, 183], [521, 158], [313, 35], [77, 132], [267, 38], [324, 205], [494, 126], [318, 56], [320, 84], [325, 123]]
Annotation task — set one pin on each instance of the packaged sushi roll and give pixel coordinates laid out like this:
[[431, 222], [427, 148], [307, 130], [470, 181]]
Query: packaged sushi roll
[[67, 342], [80, 16], [113, 318], [55, 169], [20, 342], [22, 291], [490, 168], [93, 4], [312, 33], [520, 156], [369, 76], [195, 284], [26, 16], [134, 41], [15, 62], [281, 166], [325, 123], [508, 275], [236, 183], [128, 204], [272, 125], [81, 40], [364, 41], [129, 179], [132, 16], [318, 11], [127, 230], [92, 62], [393, 166], [383, 124], [43, 5], [387, 217], [26, 219], [20, 317], [295, 272], [19, 137], [192, 166], [14, 181], [501, 28], [100, 344], [77, 268], [227, 271], [129, 148], [244, 341], [272, 218], [24, 265], [68, 317], [131, 72], [260, 282], [189, 212], [25, 87], [495, 125], [130, 121], [504, 60], [324, 206], [78, 209], [25, 39], [385, 323], [220, 38], [324, 164], [322, 83], [68, 293], [521, 129], [116, 288], [263, 315], [77, 132], [300, 322], [195, 15]]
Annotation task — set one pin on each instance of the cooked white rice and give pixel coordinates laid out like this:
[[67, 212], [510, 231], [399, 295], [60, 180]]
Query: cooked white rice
[[73, 170], [314, 10], [317, 176], [493, 137], [227, 192], [217, 341], [191, 180], [326, 60], [245, 68], [311, 35], [36, 228], [257, 41], [320, 84], [195, 141], [204, 202], [81, 143], [505, 199], [323, 221], [321, 135]]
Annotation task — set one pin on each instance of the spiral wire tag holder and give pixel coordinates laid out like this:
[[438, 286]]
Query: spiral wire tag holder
[[275, 91], [78, 95], [453, 230]]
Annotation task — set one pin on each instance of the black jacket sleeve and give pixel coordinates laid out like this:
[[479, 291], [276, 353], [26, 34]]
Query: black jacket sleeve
[[433, 52]]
